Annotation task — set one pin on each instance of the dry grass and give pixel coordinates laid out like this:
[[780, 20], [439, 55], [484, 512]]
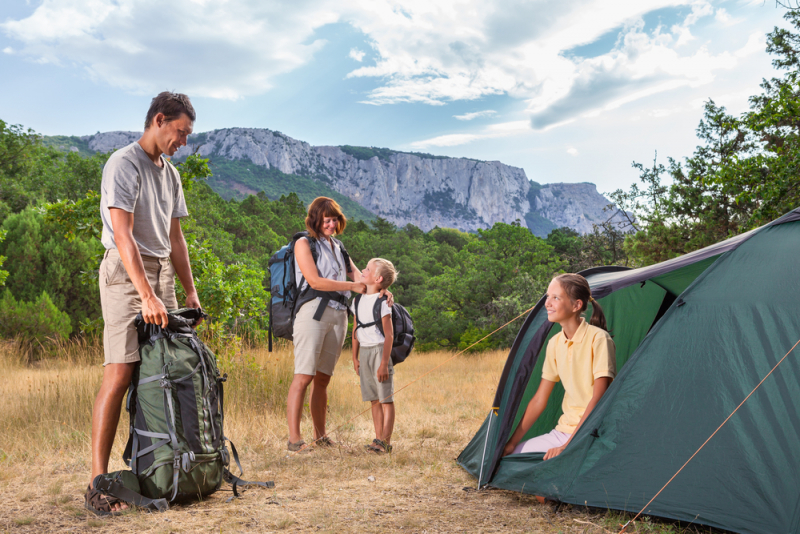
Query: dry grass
[[44, 455]]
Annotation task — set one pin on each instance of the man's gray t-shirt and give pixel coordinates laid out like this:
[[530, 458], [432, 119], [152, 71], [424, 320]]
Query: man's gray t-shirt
[[132, 182]]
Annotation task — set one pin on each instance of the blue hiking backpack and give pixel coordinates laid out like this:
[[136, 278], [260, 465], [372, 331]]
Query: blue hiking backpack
[[286, 297]]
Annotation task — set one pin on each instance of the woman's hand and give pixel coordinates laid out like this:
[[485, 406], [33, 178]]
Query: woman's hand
[[509, 448], [358, 287], [389, 297], [555, 451]]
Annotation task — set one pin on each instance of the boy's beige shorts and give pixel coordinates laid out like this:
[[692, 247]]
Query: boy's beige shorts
[[121, 303]]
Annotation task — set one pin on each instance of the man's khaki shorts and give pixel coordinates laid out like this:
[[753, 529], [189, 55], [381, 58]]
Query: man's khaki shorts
[[369, 360], [318, 344], [121, 303]]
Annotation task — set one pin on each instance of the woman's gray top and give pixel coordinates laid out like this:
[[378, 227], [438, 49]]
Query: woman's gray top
[[330, 264]]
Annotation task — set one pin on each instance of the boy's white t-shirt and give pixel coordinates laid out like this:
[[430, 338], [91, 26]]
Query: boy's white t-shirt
[[370, 336]]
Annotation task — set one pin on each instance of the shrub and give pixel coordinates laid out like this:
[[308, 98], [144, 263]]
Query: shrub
[[33, 322]]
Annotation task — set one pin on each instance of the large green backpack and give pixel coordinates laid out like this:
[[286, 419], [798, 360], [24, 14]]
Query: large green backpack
[[176, 448]]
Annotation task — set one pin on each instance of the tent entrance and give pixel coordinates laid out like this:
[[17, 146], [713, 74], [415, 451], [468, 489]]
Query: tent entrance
[[631, 313]]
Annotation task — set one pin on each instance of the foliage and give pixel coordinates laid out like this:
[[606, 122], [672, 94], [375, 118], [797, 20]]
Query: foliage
[[742, 175], [231, 294], [35, 321], [240, 178], [40, 258], [366, 153], [3, 274], [457, 286], [502, 261]]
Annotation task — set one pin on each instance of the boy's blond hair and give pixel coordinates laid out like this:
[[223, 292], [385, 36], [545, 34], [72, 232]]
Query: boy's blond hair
[[385, 269]]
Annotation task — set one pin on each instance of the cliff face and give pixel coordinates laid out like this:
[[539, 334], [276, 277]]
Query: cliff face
[[420, 189], [401, 187], [578, 206]]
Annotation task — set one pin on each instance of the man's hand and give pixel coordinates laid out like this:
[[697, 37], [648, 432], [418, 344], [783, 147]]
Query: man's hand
[[154, 312], [555, 451], [356, 365], [383, 372], [193, 302], [389, 297], [509, 448]]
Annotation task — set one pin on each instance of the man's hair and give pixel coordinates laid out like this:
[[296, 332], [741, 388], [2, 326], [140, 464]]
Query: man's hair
[[320, 208], [386, 269], [172, 105]]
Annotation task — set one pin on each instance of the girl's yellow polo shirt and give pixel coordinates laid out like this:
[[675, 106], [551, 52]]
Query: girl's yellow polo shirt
[[577, 362]]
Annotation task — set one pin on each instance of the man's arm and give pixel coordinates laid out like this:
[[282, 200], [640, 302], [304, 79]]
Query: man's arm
[[153, 310], [180, 260]]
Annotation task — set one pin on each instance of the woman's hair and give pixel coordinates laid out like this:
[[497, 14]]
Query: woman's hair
[[577, 288], [320, 208]]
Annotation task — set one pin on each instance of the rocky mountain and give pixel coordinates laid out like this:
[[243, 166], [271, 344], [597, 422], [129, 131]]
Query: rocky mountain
[[403, 187]]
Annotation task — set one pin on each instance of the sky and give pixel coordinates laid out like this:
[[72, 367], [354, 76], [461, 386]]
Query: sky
[[568, 91]]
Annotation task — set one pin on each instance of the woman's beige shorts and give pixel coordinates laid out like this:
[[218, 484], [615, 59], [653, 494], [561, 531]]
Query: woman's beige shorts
[[318, 344], [121, 303]]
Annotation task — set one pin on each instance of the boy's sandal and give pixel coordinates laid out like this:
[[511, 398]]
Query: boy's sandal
[[379, 446], [99, 503], [325, 441], [296, 447]]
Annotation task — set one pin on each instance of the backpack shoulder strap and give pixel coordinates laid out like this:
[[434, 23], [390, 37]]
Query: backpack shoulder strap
[[312, 243], [359, 324], [348, 268], [376, 314]]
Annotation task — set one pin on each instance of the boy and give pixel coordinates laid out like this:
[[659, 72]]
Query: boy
[[372, 351]]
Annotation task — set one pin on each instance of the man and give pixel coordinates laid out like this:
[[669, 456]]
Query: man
[[141, 205]]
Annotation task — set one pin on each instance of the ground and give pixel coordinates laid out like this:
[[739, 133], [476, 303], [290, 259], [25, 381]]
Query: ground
[[44, 455]]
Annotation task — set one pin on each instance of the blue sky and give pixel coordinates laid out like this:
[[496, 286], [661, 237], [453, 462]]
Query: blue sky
[[569, 91]]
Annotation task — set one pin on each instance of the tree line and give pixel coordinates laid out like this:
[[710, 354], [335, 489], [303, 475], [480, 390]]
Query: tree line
[[458, 286]]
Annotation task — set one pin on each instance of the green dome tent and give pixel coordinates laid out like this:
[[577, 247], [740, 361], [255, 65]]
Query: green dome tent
[[694, 336]]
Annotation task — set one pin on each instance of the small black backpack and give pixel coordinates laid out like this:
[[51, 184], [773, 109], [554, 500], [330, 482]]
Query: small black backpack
[[404, 338]]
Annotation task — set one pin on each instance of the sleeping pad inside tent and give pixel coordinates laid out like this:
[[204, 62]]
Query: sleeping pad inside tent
[[694, 336]]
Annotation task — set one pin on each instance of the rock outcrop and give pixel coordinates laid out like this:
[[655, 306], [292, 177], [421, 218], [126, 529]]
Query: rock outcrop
[[420, 189]]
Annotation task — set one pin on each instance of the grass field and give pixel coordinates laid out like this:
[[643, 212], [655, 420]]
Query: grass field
[[44, 455]]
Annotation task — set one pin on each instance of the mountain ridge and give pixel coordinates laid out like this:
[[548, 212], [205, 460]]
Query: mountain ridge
[[402, 187]]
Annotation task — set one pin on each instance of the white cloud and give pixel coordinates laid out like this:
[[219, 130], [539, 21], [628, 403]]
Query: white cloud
[[572, 151], [357, 54], [219, 49], [475, 115], [425, 52], [502, 129], [8, 50]]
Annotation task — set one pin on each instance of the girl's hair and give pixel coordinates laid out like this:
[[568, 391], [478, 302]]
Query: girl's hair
[[577, 288], [320, 208]]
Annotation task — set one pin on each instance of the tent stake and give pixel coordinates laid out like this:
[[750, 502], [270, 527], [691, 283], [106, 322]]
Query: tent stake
[[485, 443]]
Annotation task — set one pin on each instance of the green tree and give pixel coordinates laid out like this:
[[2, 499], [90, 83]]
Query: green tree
[[40, 258], [503, 261], [742, 175], [36, 321]]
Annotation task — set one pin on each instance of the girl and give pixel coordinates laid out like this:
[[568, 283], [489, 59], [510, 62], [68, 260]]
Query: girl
[[582, 356]]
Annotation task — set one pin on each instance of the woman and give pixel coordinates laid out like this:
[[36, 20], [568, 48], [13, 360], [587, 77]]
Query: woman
[[318, 337]]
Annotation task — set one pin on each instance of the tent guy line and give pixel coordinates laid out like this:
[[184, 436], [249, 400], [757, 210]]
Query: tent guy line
[[421, 376], [625, 526]]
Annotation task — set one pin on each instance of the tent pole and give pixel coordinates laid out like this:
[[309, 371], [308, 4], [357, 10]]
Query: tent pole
[[485, 443]]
